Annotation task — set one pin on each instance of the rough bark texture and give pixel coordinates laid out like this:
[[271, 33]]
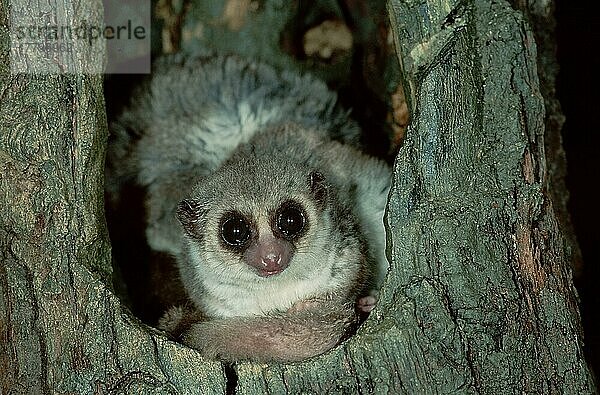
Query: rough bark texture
[[479, 298], [490, 282]]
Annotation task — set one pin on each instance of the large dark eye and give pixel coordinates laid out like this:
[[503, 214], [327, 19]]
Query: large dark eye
[[290, 221], [235, 230]]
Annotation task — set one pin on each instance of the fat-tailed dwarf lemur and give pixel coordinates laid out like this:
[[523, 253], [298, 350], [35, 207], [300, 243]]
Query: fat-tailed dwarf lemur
[[254, 184]]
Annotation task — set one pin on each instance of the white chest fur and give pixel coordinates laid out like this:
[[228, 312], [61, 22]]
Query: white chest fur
[[273, 294]]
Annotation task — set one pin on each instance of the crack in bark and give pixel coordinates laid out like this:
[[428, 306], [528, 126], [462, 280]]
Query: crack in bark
[[284, 381], [157, 358], [231, 378]]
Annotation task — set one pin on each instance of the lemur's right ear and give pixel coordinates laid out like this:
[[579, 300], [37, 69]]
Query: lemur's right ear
[[191, 214]]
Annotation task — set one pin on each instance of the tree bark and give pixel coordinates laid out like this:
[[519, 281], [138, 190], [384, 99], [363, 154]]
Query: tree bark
[[490, 283], [479, 297]]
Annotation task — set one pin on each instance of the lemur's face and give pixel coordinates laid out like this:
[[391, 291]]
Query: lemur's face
[[260, 235]]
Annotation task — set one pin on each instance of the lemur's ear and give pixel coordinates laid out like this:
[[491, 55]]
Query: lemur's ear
[[191, 214], [318, 187]]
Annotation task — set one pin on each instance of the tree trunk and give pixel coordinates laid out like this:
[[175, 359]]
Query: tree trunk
[[479, 297], [490, 286]]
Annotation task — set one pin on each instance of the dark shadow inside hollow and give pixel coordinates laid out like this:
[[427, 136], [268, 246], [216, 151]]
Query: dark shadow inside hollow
[[145, 280]]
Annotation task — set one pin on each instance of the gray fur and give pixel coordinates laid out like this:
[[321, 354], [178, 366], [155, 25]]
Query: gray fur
[[227, 135]]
